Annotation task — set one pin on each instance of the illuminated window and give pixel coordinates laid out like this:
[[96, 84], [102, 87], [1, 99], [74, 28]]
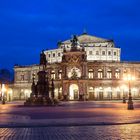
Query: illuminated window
[[117, 73], [60, 74], [109, 74], [91, 92], [90, 73], [52, 74], [100, 73], [109, 93]]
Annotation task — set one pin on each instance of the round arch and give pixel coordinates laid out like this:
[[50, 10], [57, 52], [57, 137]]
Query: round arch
[[73, 92]]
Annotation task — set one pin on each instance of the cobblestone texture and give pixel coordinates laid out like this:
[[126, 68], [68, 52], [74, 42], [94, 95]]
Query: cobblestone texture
[[110, 132]]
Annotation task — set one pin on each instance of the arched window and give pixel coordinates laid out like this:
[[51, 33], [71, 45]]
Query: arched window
[[60, 74], [97, 52], [103, 52], [52, 74], [100, 73], [117, 73], [53, 54], [115, 53], [90, 73], [59, 54], [109, 73], [109, 93], [109, 52], [91, 93]]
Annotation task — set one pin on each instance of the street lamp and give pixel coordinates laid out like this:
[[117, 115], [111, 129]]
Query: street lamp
[[129, 78], [123, 89]]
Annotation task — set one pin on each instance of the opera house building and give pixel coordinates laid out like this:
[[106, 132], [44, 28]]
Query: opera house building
[[84, 67]]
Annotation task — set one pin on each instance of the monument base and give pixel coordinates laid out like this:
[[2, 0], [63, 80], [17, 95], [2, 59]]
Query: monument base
[[41, 101]]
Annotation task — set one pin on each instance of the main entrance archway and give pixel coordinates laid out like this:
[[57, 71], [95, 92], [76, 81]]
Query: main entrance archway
[[73, 92]]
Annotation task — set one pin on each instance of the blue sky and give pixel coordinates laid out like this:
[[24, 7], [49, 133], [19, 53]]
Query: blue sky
[[28, 26]]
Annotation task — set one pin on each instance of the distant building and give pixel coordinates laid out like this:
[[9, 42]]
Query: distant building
[[84, 67]]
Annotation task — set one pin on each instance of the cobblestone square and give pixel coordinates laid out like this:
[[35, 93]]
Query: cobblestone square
[[116, 132], [70, 121]]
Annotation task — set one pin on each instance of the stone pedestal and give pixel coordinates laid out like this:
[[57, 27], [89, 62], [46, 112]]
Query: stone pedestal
[[130, 104], [81, 97]]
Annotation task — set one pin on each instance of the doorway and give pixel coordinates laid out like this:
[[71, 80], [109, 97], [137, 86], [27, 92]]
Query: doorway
[[73, 92]]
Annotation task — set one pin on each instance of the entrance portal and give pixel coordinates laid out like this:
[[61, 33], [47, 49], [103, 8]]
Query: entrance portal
[[73, 92]]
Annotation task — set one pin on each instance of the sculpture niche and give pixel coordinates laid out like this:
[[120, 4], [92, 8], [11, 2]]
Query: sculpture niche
[[40, 91]]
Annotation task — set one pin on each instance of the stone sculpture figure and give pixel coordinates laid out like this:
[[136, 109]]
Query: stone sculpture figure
[[74, 43], [43, 60]]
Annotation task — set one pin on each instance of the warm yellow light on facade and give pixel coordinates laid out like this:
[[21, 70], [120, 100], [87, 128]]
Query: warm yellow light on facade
[[3, 89], [129, 77], [124, 87], [134, 89], [117, 89], [133, 78], [73, 88], [100, 88]]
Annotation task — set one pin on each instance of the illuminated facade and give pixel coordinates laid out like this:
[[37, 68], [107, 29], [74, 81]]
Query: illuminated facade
[[83, 68]]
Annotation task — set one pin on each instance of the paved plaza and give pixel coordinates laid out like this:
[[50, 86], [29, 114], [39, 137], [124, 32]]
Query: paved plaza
[[116, 132], [70, 121]]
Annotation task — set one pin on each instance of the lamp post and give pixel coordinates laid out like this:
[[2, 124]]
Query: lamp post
[[124, 99], [129, 78]]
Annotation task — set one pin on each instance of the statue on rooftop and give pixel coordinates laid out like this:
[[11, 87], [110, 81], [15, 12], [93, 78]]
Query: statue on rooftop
[[74, 43]]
